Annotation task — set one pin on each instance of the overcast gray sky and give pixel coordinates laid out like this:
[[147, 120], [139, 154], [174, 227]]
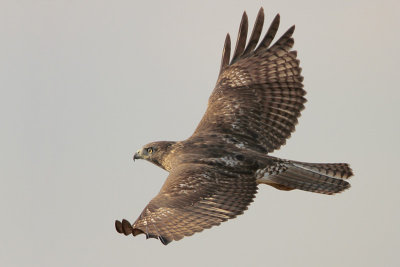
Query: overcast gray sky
[[84, 84]]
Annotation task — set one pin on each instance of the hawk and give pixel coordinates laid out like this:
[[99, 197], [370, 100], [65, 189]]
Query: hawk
[[214, 174]]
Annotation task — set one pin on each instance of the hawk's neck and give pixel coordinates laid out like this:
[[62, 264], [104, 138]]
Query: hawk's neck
[[166, 154]]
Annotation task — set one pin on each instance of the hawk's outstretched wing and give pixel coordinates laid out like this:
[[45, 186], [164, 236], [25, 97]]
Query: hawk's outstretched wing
[[193, 198], [259, 95]]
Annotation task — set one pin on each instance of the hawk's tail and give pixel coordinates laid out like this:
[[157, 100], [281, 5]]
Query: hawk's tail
[[324, 178]]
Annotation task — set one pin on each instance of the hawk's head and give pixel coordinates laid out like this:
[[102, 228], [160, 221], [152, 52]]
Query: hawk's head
[[156, 153]]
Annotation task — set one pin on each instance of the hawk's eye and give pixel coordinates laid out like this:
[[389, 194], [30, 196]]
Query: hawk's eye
[[150, 150]]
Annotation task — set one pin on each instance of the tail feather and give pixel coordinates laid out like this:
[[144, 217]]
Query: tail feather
[[336, 170], [324, 178]]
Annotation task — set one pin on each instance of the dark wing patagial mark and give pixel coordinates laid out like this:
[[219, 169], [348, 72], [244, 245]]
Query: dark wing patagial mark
[[259, 95], [193, 198]]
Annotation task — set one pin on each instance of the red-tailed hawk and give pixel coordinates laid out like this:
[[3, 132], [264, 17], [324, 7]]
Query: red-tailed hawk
[[214, 174]]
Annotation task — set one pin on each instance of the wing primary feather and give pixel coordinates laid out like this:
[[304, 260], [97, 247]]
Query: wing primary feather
[[256, 33], [270, 35], [226, 53], [286, 37], [241, 40], [126, 227], [118, 226]]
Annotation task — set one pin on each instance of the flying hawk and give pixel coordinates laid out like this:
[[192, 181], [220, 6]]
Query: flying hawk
[[214, 174]]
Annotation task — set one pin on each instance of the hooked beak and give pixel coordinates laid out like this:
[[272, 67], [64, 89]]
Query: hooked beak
[[137, 155]]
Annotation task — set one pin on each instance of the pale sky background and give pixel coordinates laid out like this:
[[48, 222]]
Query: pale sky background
[[84, 84]]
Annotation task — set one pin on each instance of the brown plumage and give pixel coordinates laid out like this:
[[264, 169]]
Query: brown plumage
[[214, 174]]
